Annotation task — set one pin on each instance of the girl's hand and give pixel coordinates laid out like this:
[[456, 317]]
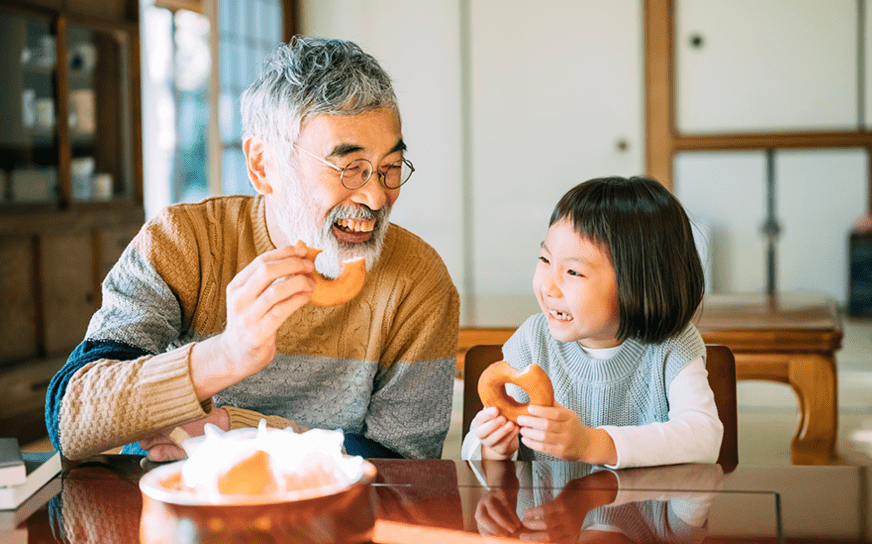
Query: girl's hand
[[498, 435], [495, 513], [557, 431]]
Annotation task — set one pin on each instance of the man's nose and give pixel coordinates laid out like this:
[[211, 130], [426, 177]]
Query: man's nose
[[372, 194]]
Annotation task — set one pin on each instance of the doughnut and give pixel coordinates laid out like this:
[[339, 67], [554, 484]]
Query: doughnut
[[533, 380], [340, 290], [252, 476]]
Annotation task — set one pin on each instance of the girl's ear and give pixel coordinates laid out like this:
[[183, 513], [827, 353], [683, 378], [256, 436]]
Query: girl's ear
[[257, 159]]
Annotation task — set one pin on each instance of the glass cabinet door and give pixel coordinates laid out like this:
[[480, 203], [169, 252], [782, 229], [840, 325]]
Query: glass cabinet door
[[28, 123], [99, 123]]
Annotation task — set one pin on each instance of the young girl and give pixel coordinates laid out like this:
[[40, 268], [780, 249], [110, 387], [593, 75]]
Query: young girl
[[618, 281]]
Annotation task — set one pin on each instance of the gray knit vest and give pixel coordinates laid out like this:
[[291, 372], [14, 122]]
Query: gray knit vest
[[630, 388]]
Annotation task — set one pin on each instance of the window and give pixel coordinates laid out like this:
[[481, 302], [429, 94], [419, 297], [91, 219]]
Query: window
[[250, 31], [178, 63]]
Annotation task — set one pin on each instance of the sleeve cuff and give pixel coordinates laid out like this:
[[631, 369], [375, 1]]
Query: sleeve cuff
[[241, 418], [470, 450], [620, 446], [168, 390]]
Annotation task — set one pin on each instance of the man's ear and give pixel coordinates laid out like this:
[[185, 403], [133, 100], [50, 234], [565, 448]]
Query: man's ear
[[257, 159]]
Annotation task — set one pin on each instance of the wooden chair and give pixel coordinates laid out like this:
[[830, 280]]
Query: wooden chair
[[721, 368]]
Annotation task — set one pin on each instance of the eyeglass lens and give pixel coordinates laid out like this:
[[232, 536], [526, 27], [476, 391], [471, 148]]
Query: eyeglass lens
[[359, 171]]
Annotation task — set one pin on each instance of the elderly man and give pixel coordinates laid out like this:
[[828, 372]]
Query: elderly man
[[206, 318]]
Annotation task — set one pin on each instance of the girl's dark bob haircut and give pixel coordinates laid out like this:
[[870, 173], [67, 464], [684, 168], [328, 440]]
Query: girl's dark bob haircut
[[647, 234]]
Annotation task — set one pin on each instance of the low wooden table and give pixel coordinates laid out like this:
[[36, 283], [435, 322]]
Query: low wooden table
[[790, 338]]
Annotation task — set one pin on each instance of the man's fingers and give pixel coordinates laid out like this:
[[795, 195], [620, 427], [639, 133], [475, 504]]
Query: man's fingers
[[262, 273], [165, 452], [154, 439], [281, 253], [281, 311], [279, 292]]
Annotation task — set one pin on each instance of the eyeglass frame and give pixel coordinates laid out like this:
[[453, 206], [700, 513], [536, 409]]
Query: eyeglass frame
[[381, 176]]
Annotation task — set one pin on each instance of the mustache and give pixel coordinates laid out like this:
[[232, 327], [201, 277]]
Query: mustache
[[357, 212]]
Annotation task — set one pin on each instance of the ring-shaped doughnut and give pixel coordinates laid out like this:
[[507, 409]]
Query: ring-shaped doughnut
[[343, 288], [533, 380]]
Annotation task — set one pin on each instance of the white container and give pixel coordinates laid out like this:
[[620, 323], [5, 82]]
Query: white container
[[28, 108], [82, 173], [103, 186], [45, 113]]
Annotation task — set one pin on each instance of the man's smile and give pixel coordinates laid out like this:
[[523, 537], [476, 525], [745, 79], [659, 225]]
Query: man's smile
[[356, 225], [353, 231]]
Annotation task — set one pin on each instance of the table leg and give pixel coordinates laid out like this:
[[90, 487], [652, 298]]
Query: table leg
[[813, 379]]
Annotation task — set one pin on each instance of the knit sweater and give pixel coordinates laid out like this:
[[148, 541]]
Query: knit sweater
[[381, 366]]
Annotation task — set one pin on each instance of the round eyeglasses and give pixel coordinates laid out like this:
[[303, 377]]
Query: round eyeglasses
[[357, 172]]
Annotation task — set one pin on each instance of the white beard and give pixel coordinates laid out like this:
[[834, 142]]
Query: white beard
[[298, 219]]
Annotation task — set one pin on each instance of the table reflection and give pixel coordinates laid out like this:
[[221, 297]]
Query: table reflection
[[99, 502], [446, 501], [563, 502]]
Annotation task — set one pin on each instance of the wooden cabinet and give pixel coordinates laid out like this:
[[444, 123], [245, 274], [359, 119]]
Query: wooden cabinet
[[70, 183], [731, 84]]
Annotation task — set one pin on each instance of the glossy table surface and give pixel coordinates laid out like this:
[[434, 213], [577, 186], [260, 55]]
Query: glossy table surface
[[99, 500]]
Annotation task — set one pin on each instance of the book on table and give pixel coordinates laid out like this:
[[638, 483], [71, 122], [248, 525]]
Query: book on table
[[12, 471], [41, 468], [12, 519]]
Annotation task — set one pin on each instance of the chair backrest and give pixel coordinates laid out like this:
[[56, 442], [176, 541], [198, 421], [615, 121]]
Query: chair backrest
[[720, 363]]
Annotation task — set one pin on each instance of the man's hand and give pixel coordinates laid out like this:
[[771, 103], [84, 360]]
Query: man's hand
[[259, 299], [163, 447], [558, 431]]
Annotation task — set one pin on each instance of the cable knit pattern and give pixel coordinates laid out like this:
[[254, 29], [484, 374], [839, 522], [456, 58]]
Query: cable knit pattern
[[628, 389], [381, 365]]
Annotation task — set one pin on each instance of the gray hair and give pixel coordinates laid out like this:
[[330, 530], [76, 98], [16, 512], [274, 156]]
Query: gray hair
[[307, 77]]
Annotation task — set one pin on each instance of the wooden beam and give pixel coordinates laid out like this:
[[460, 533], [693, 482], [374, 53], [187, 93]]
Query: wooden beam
[[290, 19], [62, 116], [777, 140], [658, 90], [190, 5]]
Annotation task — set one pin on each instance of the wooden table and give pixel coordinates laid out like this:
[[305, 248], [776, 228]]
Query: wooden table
[[791, 338], [441, 501]]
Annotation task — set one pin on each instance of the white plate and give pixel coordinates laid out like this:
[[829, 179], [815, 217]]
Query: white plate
[[151, 484]]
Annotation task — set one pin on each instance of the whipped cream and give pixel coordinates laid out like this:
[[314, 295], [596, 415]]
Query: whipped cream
[[310, 459]]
